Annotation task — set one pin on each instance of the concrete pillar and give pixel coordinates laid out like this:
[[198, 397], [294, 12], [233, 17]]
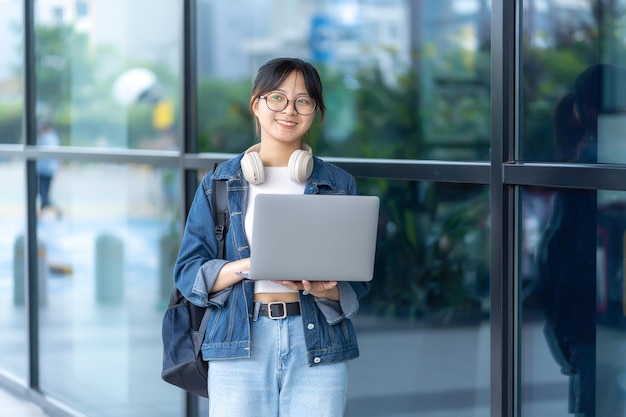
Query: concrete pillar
[[168, 250], [109, 266], [19, 272]]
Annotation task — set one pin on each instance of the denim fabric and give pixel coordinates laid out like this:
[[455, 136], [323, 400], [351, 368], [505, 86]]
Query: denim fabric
[[330, 336], [276, 381]]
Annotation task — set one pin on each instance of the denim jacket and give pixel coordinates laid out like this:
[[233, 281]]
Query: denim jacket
[[329, 333]]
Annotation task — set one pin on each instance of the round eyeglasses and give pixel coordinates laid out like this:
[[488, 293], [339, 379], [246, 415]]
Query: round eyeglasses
[[279, 102]]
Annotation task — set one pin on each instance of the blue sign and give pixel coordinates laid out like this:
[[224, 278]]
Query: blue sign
[[321, 39]]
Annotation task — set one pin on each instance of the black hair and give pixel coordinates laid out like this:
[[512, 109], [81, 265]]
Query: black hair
[[568, 131]]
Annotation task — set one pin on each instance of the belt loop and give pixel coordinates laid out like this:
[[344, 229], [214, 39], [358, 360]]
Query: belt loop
[[255, 311]]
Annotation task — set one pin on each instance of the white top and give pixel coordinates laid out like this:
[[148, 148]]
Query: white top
[[277, 181]]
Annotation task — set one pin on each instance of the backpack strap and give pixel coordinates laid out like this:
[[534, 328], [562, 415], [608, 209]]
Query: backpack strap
[[221, 214]]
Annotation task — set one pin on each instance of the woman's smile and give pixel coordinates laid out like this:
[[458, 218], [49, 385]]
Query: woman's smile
[[286, 123]]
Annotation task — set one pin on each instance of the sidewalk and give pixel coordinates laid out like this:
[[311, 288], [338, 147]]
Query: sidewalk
[[12, 405]]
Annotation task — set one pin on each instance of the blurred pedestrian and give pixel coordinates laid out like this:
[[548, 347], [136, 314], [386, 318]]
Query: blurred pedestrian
[[47, 167]]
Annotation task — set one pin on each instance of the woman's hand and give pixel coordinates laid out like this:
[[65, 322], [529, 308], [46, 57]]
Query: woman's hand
[[322, 289], [228, 274]]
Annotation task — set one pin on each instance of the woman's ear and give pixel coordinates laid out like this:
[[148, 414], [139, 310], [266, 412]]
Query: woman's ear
[[255, 106]]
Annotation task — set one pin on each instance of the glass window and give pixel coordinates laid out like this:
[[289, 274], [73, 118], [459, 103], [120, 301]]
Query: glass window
[[110, 254], [108, 75], [13, 293], [402, 79], [11, 73], [573, 310], [424, 329], [13, 317], [574, 67]]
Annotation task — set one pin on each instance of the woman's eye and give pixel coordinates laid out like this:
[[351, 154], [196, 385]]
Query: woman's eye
[[304, 100], [276, 97]]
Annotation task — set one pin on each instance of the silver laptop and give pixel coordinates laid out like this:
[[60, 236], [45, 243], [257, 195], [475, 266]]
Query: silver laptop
[[313, 237]]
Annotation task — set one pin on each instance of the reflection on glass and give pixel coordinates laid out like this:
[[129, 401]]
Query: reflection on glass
[[110, 258], [573, 314], [564, 44], [46, 168], [11, 73], [402, 79], [13, 319], [108, 73], [424, 328]]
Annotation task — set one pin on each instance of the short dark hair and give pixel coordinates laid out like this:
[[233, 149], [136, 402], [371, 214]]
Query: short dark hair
[[274, 72]]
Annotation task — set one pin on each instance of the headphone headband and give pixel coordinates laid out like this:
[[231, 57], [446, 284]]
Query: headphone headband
[[300, 164]]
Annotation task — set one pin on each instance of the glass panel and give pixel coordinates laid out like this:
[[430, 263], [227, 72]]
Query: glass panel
[[110, 256], [11, 72], [574, 67], [108, 72], [424, 327], [13, 317], [403, 79], [573, 310]]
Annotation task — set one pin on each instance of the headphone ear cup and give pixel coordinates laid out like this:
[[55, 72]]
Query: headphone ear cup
[[300, 165], [252, 167]]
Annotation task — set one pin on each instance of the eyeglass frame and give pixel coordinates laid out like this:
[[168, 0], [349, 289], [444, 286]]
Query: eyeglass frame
[[264, 97]]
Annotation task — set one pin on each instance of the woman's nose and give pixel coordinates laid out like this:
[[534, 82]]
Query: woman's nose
[[291, 107]]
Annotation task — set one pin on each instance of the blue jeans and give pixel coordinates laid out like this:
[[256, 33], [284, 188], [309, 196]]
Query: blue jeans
[[276, 380]]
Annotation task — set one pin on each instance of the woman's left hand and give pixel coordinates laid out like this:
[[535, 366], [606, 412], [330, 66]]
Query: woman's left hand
[[322, 289]]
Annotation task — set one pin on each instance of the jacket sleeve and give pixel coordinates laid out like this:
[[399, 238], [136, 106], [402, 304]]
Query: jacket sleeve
[[348, 304], [197, 264]]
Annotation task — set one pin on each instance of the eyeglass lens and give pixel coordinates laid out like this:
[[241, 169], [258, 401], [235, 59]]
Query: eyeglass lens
[[278, 102]]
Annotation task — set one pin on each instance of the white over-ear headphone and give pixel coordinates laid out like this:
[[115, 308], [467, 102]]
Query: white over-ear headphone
[[300, 165]]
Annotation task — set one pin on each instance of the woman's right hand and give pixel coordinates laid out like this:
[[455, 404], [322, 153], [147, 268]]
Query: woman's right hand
[[228, 274]]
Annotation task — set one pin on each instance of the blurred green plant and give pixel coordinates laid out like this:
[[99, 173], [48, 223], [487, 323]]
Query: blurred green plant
[[224, 121], [432, 256], [10, 123]]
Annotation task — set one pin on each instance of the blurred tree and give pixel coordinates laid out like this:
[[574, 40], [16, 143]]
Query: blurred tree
[[224, 121]]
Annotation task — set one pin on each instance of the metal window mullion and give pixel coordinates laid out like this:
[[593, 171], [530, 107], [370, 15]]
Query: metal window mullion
[[31, 249], [504, 24], [189, 138], [189, 94]]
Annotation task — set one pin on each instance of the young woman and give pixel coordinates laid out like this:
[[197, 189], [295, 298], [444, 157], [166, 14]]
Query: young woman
[[261, 363]]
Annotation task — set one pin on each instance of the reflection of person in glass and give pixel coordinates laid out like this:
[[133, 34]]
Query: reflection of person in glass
[[567, 253], [46, 167], [276, 348]]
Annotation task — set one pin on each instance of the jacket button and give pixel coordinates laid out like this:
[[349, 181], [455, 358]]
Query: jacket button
[[305, 293], [317, 360], [310, 326]]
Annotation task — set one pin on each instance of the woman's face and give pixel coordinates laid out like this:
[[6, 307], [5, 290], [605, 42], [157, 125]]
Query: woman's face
[[286, 126]]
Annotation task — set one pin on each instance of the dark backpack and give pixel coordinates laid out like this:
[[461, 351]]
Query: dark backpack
[[184, 324]]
